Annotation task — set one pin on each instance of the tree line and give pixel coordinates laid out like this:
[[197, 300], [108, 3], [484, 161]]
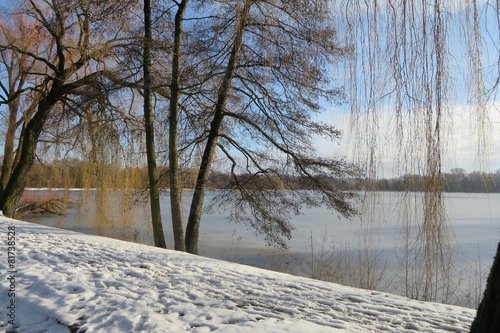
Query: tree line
[[457, 180], [75, 173]]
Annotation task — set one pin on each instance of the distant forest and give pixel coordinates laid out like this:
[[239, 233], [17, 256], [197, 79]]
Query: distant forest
[[74, 173], [457, 180]]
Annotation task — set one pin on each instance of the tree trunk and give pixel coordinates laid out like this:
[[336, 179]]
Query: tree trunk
[[173, 120], [154, 194], [26, 155], [193, 226], [488, 314]]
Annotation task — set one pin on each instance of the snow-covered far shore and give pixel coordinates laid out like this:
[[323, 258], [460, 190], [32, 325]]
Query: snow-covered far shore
[[54, 280]]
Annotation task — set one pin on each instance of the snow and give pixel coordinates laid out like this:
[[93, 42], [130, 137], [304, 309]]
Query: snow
[[71, 282]]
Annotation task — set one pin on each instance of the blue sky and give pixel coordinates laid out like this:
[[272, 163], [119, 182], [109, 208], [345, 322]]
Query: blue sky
[[460, 139]]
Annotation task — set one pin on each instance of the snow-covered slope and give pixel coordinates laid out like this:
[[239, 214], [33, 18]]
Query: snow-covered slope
[[71, 282]]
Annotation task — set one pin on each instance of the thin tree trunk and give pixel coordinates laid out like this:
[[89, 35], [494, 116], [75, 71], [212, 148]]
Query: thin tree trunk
[[154, 194], [9, 160], [488, 314], [193, 225], [173, 152], [8, 151]]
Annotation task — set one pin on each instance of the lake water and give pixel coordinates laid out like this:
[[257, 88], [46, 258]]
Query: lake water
[[319, 235]]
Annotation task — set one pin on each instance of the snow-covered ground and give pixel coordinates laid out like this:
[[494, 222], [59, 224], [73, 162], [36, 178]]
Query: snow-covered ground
[[69, 282]]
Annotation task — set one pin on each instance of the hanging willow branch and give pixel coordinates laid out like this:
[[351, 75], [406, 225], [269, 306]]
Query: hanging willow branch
[[403, 81]]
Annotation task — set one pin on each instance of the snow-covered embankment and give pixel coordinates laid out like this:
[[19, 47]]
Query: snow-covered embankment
[[69, 282]]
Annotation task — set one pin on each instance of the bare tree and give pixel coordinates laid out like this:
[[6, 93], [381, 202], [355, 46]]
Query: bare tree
[[487, 317], [74, 55], [173, 135], [154, 194], [405, 80], [262, 72], [20, 104]]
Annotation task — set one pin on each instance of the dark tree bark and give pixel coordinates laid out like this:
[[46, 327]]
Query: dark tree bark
[[488, 314], [173, 120], [154, 195]]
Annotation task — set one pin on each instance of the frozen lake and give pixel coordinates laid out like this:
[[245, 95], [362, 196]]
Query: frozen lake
[[474, 221]]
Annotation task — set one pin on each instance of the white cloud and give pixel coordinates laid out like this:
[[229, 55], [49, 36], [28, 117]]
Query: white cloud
[[469, 140]]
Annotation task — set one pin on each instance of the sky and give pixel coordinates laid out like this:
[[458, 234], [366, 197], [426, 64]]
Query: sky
[[461, 141], [462, 146]]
